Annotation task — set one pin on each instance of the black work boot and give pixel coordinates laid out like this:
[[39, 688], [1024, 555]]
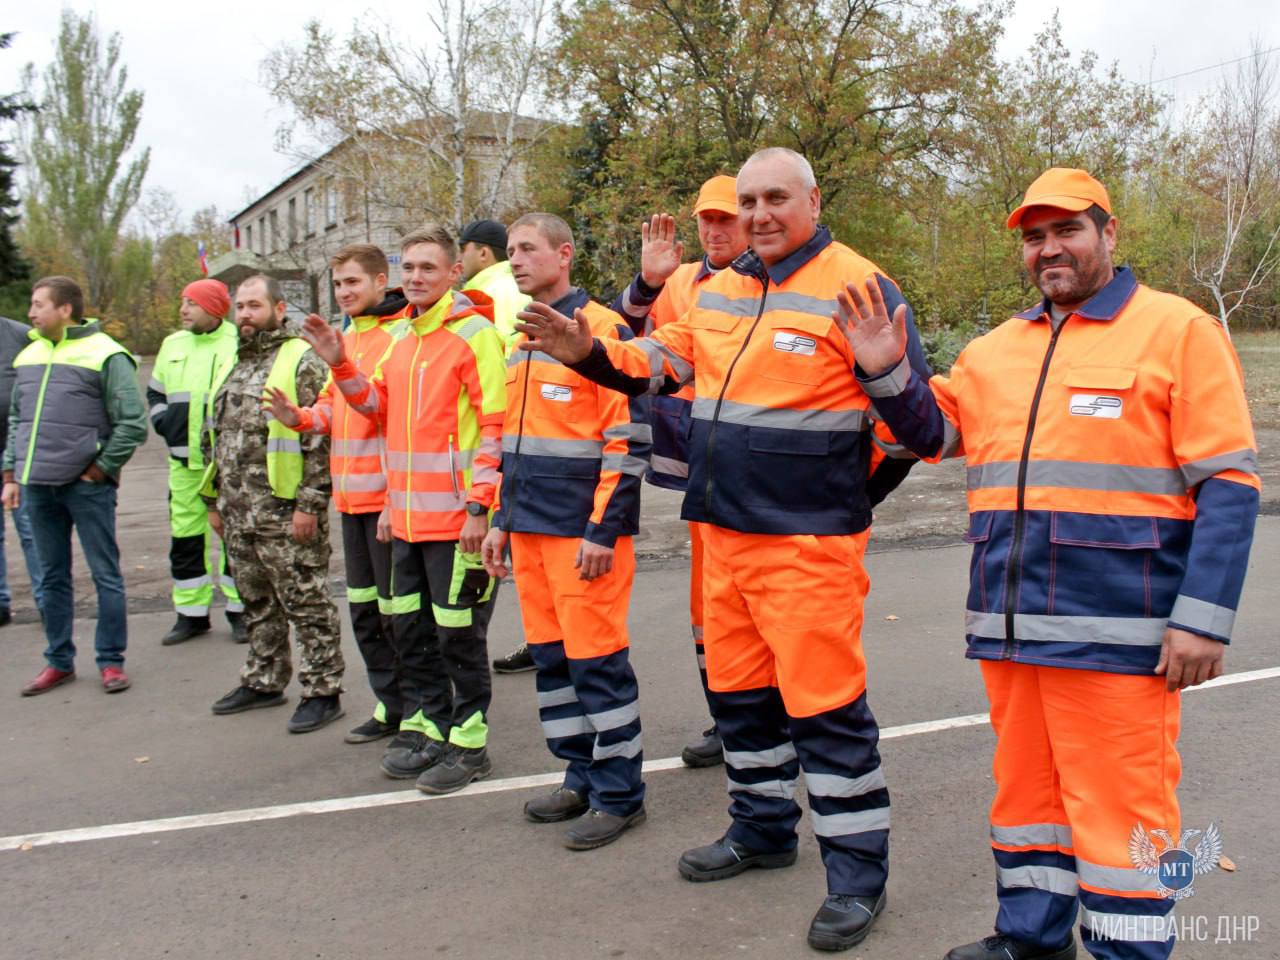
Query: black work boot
[[1001, 947], [247, 698], [727, 858], [239, 631], [707, 751], [598, 828], [519, 660], [560, 804], [458, 768], [185, 629], [371, 730], [411, 761], [314, 713], [844, 921]]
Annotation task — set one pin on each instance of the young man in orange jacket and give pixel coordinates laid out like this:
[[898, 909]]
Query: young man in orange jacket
[[359, 484], [1113, 489], [573, 455], [439, 397]]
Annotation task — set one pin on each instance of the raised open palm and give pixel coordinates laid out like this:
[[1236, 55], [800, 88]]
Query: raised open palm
[[878, 341]]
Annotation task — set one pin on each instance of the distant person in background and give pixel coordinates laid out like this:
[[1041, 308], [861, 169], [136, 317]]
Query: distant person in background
[[14, 337], [75, 419], [485, 268], [191, 365]]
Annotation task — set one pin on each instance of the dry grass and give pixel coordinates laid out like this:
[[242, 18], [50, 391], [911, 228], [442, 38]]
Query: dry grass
[[1260, 357]]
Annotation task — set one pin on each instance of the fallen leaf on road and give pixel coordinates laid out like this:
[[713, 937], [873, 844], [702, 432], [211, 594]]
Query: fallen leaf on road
[[24, 847], [141, 759], [891, 617], [1227, 864]]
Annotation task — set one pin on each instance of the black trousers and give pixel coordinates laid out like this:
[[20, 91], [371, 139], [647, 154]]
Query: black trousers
[[369, 600]]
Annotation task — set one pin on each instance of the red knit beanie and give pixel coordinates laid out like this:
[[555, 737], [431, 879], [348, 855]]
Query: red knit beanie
[[210, 296]]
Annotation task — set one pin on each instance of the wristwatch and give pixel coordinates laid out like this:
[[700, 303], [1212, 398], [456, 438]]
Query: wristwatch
[[477, 509]]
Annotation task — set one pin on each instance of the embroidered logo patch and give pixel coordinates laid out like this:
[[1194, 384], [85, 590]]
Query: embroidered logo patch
[[1096, 405], [796, 343], [557, 392]]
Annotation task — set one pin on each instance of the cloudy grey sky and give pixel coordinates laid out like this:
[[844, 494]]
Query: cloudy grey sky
[[211, 125]]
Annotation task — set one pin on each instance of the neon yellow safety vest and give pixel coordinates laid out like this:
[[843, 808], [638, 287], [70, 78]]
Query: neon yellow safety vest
[[284, 447]]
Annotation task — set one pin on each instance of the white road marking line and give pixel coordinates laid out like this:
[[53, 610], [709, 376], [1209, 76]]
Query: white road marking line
[[139, 828]]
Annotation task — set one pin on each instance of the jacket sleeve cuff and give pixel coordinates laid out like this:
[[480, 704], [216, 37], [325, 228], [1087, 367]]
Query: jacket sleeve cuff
[[600, 535], [1202, 617], [311, 501], [891, 383]]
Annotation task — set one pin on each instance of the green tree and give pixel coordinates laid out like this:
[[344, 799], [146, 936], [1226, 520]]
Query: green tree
[[83, 179], [14, 269]]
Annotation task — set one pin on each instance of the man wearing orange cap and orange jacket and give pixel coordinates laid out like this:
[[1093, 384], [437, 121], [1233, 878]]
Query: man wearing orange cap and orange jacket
[[439, 395], [573, 455], [1113, 488], [780, 454]]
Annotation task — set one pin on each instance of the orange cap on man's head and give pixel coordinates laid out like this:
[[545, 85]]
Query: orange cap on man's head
[[718, 193], [1065, 188]]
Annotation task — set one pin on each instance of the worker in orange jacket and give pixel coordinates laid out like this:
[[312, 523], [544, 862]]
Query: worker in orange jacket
[[573, 455], [1113, 487], [780, 453], [359, 485], [439, 397]]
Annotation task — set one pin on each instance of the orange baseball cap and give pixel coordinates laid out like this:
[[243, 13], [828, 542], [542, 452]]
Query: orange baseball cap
[[718, 193], [1065, 188]]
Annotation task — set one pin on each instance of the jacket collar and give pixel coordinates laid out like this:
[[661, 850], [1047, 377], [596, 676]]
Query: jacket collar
[[264, 341], [750, 264], [1104, 305], [435, 315], [575, 299], [85, 328]]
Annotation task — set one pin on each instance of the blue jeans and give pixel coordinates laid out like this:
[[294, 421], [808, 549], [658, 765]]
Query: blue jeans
[[22, 524], [91, 509]]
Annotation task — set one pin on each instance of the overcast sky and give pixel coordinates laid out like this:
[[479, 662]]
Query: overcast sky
[[211, 125]]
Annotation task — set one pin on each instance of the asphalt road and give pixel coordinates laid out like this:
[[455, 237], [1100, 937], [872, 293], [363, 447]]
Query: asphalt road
[[466, 877]]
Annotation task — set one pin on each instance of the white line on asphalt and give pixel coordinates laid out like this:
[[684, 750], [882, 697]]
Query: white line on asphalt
[[139, 828]]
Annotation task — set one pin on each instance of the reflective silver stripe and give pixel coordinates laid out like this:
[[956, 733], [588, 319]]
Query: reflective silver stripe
[[697, 632], [889, 384], [1040, 877], [702, 661], [1202, 615], [182, 396], [426, 502], [192, 583], [485, 473], [282, 445], [490, 447], [472, 327], [844, 824], [235, 606], [428, 462], [1121, 879], [950, 439], [624, 463], [1046, 628], [158, 409], [182, 452], [630, 749], [670, 466], [1078, 475], [1033, 835], [548, 447], [557, 697], [195, 611], [895, 451], [1246, 461], [640, 432], [832, 785], [774, 757], [156, 385], [362, 482], [537, 356], [615, 718], [662, 356], [782, 789], [631, 308], [566, 727], [750, 306], [781, 418], [1134, 928], [369, 447], [227, 582]]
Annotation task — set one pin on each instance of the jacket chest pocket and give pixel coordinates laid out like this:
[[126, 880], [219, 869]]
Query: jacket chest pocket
[[558, 393], [1098, 392], [793, 351]]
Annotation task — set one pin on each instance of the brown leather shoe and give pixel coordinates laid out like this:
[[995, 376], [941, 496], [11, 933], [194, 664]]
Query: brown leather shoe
[[114, 680], [46, 680]]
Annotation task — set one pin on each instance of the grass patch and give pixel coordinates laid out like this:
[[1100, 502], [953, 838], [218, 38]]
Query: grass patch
[[1259, 354]]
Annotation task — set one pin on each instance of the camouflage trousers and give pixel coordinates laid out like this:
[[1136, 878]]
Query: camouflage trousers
[[283, 584]]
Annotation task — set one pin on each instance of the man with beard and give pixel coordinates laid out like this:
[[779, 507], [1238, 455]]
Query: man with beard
[[1113, 487]]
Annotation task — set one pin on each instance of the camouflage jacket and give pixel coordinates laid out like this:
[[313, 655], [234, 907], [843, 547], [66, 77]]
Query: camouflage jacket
[[240, 426]]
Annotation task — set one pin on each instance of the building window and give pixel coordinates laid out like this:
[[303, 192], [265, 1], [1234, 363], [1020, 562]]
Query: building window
[[308, 204], [248, 238], [331, 203], [293, 220], [262, 235], [275, 231]]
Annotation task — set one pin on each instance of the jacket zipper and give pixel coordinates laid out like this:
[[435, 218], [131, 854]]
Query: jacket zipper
[[35, 419], [1012, 579], [709, 489], [408, 433]]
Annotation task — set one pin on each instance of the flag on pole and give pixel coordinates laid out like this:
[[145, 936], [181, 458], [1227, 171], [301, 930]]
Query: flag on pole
[[203, 256]]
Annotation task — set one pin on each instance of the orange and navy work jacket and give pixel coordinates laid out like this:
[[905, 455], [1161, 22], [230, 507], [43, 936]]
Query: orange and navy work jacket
[[438, 396], [780, 430], [356, 444], [573, 453], [1112, 477]]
